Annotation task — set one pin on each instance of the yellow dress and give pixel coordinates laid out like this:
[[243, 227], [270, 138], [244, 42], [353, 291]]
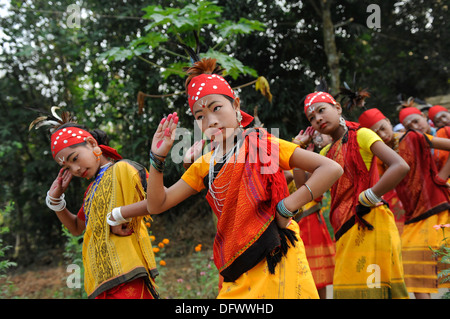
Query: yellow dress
[[368, 262], [111, 260], [292, 279]]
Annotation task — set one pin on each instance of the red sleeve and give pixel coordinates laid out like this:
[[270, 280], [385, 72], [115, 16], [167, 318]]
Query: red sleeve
[[81, 215]]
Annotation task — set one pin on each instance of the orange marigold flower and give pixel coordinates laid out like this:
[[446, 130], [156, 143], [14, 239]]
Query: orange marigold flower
[[161, 245], [152, 238], [155, 249], [148, 224], [162, 263], [198, 247], [165, 241]]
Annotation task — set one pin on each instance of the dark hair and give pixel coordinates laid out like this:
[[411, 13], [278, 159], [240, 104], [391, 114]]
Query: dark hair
[[204, 66], [100, 136]]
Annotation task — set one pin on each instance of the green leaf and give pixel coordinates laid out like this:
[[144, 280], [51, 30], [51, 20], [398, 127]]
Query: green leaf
[[174, 68], [244, 26], [445, 260], [233, 66], [151, 39]]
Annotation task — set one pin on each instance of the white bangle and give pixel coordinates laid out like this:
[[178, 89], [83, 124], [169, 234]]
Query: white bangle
[[60, 203], [118, 218], [111, 222], [54, 199], [374, 199]]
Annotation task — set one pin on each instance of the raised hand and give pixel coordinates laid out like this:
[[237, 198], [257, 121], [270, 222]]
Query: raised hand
[[304, 137], [61, 183], [164, 135]]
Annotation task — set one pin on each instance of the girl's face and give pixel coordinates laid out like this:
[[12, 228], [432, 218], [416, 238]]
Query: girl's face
[[216, 116], [442, 119], [324, 117], [79, 159], [384, 130], [416, 122]]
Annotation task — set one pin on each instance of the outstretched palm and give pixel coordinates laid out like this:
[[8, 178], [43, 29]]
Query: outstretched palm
[[165, 135]]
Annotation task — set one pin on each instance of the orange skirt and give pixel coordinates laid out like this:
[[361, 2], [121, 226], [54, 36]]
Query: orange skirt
[[319, 247]]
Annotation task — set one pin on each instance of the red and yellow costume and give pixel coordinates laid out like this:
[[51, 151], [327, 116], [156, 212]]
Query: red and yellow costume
[[426, 204], [367, 239], [115, 267], [255, 257]]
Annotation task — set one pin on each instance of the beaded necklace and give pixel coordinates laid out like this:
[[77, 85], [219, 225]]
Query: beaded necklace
[[217, 191]]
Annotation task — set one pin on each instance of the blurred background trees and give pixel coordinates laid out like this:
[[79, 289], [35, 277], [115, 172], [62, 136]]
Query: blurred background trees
[[96, 70]]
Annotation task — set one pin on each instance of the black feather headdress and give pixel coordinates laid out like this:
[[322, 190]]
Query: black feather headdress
[[352, 98]]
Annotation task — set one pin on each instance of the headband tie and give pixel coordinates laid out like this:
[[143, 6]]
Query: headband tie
[[318, 97], [370, 117], [69, 136], [206, 84]]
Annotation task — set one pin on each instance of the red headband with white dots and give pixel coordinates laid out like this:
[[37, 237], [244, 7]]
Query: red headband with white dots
[[67, 136], [318, 97], [206, 84]]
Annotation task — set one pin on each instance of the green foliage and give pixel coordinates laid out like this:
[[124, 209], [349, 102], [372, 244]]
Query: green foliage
[[6, 287], [203, 283], [183, 25]]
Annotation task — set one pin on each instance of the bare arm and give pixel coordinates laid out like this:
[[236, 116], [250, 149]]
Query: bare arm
[[397, 168], [300, 177], [324, 173], [442, 144], [75, 225], [160, 199]]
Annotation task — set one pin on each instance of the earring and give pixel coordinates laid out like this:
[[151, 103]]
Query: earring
[[239, 118], [342, 122], [97, 152]]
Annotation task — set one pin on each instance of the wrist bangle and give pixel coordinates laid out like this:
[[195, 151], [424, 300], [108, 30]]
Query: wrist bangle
[[368, 198], [310, 191], [300, 143], [372, 197], [363, 199], [158, 164], [283, 211], [55, 204], [118, 218], [55, 199]]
